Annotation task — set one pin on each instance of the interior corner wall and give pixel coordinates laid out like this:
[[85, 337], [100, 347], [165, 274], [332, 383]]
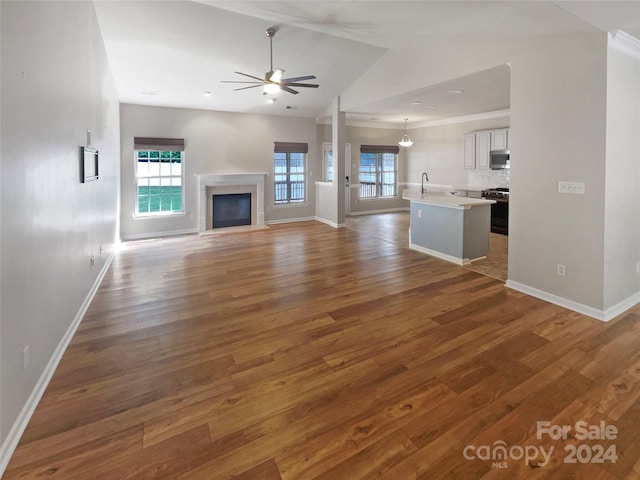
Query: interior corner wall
[[56, 85], [215, 142], [558, 112], [622, 196]]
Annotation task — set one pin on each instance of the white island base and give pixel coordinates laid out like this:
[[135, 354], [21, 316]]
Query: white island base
[[452, 228]]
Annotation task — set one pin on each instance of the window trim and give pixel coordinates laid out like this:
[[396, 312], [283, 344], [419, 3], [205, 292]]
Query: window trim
[[136, 204], [327, 148], [378, 151], [289, 203]]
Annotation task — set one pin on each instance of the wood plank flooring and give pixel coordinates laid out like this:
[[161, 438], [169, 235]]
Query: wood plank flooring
[[307, 352], [394, 227]]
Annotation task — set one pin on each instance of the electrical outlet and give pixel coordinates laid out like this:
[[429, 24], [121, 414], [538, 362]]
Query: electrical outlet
[[25, 357], [571, 187], [561, 270], [92, 261], [419, 213]]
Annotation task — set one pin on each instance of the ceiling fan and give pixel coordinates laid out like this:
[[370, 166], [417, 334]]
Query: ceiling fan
[[273, 81]]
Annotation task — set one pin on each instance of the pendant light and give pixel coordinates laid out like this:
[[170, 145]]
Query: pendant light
[[405, 141]]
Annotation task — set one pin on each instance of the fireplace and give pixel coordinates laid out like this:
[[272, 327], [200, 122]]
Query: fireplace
[[231, 210], [248, 184]]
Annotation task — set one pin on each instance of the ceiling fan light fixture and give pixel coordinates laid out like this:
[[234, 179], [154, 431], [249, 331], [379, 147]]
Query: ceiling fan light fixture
[[271, 88], [273, 81], [405, 141]]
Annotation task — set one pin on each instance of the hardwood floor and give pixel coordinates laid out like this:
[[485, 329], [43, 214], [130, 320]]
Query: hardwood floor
[[394, 227], [307, 352]]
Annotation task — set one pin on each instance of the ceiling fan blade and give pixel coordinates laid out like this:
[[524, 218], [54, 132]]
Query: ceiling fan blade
[[298, 79], [273, 80], [238, 81], [244, 88], [312, 85], [250, 76]]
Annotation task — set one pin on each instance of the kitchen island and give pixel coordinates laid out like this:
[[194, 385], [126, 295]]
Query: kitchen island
[[449, 227]]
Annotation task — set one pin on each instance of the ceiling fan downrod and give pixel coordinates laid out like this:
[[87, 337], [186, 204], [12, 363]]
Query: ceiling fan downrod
[[270, 34]]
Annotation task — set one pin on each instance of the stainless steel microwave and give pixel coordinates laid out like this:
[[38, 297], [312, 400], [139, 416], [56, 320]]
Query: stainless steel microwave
[[499, 159]]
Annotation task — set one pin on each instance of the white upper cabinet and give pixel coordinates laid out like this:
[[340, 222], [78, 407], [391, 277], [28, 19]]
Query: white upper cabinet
[[483, 143], [479, 145], [470, 151], [500, 139]]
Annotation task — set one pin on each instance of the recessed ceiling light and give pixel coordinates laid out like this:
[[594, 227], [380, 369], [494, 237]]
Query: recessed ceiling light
[[272, 100], [207, 93], [456, 91], [289, 107], [430, 106], [149, 92], [374, 118], [417, 102]]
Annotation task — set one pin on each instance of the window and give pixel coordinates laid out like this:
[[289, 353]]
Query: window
[[159, 177], [327, 162], [328, 169], [290, 172], [378, 171]]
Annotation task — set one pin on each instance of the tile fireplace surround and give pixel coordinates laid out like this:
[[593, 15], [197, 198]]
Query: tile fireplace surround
[[238, 182]]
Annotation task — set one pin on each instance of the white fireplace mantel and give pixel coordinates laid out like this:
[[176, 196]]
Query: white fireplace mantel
[[206, 180]]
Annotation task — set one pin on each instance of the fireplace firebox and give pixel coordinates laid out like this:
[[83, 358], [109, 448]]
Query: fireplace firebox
[[231, 210]]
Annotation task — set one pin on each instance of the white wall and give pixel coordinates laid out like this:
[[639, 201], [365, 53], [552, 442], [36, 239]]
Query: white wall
[[558, 112], [215, 142], [56, 84], [622, 207]]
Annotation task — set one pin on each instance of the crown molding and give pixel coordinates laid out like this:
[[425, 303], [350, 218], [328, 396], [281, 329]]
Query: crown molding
[[354, 122], [625, 43], [466, 118]]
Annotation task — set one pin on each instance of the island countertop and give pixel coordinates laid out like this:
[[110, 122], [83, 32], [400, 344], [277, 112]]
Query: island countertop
[[444, 199]]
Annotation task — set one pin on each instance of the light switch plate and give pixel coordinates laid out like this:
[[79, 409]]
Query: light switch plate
[[571, 187]]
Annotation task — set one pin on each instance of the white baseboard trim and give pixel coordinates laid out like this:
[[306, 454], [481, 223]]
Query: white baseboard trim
[[11, 442], [442, 256], [621, 307], [599, 314], [146, 236], [383, 210], [290, 220], [329, 222]]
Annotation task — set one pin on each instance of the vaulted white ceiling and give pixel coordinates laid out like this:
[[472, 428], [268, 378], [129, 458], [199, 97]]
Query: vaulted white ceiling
[[169, 53]]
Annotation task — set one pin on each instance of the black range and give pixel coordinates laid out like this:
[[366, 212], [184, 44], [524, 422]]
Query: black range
[[499, 210]]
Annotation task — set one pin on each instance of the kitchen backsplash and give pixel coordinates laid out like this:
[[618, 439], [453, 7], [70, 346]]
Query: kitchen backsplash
[[488, 178]]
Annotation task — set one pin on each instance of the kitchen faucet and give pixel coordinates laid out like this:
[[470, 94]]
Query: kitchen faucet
[[424, 176]]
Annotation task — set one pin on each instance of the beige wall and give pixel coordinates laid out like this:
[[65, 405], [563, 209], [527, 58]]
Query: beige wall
[[215, 142], [438, 150], [56, 84], [558, 112], [358, 136]]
